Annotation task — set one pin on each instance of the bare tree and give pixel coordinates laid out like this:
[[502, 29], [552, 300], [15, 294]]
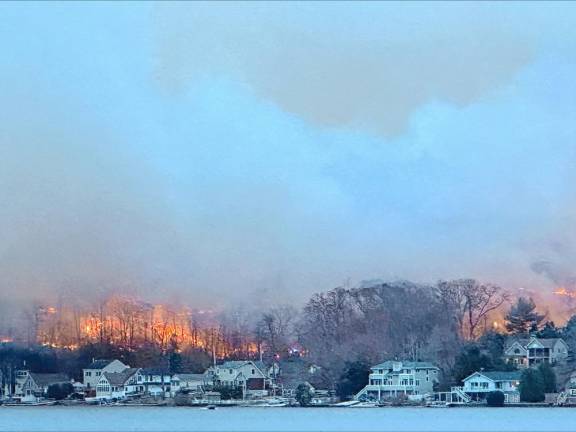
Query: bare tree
[[472, 302]]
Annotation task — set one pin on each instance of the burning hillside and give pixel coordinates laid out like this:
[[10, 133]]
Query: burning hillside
[[131, 323]]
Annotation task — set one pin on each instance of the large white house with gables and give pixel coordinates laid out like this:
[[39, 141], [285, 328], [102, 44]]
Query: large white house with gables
[[479, 384], [118, 385], [97, 368], [397, 378], [532, 351]]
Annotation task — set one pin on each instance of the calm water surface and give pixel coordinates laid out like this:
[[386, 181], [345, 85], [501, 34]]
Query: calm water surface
[[154, 419]]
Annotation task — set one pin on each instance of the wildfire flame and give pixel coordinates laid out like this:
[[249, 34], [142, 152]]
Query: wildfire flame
[[564, 292], [131, 323]]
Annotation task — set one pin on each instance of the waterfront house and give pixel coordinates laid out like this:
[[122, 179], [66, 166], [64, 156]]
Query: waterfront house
[[533, 351], [119, 385], [187, 382], [20, 377], [94, 371], [399, 378], [479, 384], [295, 371], [36, 385], [156, 381], [253, 377]]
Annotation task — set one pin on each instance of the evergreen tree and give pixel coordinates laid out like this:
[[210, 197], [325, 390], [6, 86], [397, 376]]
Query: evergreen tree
[[59, 391], [174, 357], [495, 399], [353, 379], [303, 394], [531, 386], [569, 334], [549, 331], [548, 377], [522, 317], [492, 344], [471, 359]]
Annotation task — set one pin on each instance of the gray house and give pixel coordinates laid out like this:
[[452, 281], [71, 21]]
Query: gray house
[[399, 378], [532, 351]]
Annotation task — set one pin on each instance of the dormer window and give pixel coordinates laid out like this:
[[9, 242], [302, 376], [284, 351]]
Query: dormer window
[[517, 351]]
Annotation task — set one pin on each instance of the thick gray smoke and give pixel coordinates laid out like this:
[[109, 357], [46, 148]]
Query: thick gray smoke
[[199, 153]]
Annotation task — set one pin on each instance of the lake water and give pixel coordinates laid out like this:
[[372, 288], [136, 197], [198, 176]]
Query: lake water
[[179, 419]]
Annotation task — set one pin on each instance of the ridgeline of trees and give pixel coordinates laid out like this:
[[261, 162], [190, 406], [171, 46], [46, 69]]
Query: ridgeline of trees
[[344, 331]]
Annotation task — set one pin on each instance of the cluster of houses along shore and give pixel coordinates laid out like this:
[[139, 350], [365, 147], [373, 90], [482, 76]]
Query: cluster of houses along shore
[[391, 379]]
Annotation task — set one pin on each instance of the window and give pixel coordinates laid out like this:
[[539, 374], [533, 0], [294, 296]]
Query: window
[[427, 379], [98, 373], [517, 351], [253, 371], [230, 371], [88, 374], [417, 383]]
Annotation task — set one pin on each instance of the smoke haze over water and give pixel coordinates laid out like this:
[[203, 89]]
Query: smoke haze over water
[[203, 151]]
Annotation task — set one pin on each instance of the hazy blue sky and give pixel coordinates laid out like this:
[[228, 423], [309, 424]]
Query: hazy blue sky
[[216, 149]]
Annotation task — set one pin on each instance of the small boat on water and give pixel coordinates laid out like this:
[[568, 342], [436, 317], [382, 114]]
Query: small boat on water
[[28, 404]]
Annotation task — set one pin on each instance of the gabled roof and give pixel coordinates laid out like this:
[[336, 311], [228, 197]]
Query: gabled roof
[[155, 371], [46, 379], [405, 365], [524, 342], [99, 364], [120, 378], [236, 364], [190, 377], [498, 375]]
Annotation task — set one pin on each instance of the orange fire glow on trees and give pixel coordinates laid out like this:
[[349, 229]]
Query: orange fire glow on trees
[[131, 323]]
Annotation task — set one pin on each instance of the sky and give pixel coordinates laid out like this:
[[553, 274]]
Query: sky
[[205, 152]]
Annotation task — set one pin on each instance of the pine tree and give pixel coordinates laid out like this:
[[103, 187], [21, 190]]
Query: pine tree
[[522, 317], [531, 386], [549, 331], [548, 377]]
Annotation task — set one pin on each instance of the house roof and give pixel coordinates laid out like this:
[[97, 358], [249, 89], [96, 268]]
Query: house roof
[[46, 379], [499, 375], [235, 364], [190, 377], [99, 364], [155, 371], [120, 378], [294, 372], [405, 364], [545, 342]]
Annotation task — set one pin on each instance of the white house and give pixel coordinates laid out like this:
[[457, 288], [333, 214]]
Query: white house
[[20, 378], [36, 385], [252, 377], [394, 378], [94, 371], [187, 382], [157, 381], [479, 384], [120, 384], [533, 351]]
